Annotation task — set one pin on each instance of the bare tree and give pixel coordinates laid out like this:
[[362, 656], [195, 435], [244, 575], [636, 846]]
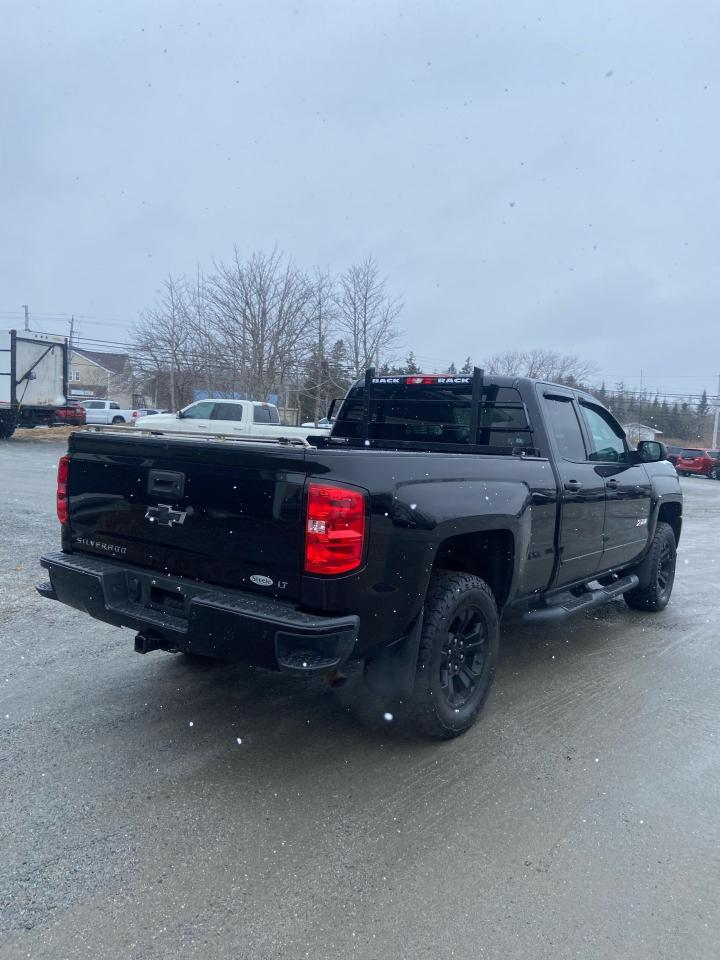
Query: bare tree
[[162, 345], [541, 364], [321, 374], [366, 315], [261, 308], [203, 334]]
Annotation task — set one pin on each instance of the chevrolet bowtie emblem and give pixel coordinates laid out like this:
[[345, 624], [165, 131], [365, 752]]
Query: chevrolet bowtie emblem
[[165, 515]]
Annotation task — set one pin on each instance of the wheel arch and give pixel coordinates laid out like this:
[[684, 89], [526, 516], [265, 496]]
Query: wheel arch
[[671, 513], [488, 554]]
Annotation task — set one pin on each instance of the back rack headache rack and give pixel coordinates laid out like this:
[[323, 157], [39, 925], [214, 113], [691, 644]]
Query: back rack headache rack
[[132, 431], [369, 377], [477, 389], [478, 382]]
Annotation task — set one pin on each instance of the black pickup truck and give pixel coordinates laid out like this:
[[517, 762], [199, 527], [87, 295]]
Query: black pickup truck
[[437, 506]]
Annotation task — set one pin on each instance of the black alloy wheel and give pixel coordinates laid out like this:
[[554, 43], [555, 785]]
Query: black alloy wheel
[[654, 594], [464, 655], [457, 656]]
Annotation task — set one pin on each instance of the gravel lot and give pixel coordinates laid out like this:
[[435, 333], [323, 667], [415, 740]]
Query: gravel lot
[[151, 808]]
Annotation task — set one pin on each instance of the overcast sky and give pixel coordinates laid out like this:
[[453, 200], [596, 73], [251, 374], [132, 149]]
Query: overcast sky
[[526, 173]]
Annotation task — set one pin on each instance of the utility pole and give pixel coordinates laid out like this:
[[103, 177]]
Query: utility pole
[[68, 355], [26, 308], [717, 417]]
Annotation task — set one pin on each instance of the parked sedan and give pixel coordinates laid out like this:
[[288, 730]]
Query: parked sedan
[[698, 461]]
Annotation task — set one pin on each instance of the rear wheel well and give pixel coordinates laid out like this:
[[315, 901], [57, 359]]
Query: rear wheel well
[[488, 555], [671, 513]]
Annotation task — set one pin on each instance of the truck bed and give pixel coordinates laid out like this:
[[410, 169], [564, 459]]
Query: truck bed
[[237, 518]]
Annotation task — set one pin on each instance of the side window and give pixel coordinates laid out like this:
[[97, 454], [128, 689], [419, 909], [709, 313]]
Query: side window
[[609, 444], [199, 411], [114, 406], [227, 411], [565, 427], [265, 415]]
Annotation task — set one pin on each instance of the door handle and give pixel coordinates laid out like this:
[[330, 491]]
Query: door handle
[[572, 485], [612, 484]]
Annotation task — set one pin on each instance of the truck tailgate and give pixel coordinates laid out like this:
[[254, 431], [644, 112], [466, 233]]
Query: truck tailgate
[[232, 511]]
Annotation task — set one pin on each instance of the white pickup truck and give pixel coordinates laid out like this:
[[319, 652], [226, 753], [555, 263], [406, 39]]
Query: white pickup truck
[[248, 418], [105, 411]]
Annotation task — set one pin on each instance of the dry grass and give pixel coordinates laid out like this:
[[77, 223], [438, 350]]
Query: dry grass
[[44, 434]]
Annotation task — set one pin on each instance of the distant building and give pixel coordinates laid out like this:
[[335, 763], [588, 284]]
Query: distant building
[[636, 432], [101, 376]]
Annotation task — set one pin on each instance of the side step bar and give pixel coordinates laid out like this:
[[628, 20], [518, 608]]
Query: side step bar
[[586, 600]]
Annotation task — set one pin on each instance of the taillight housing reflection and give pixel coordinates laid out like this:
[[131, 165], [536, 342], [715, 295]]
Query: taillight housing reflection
[[62, 489], [334, 529]]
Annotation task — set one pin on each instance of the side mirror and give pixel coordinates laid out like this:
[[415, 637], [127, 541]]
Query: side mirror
[[651, 451]]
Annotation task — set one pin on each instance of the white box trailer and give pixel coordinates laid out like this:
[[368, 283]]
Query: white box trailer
[[33, 378]]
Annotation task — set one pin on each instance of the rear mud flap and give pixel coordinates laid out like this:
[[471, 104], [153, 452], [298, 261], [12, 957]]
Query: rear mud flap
[[391, 675]]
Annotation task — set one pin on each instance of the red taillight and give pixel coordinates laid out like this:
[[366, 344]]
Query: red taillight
[[335, 529], [62, 489]]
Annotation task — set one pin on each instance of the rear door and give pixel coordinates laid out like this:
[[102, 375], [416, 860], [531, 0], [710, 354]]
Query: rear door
[[582, 505], [228, 418], [627, 485], [40, 370]]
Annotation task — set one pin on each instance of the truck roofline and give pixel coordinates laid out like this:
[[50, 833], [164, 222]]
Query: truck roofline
[[500, 381]]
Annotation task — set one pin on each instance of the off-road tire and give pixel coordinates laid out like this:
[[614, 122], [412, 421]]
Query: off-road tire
[[436, 709], [655, 595]]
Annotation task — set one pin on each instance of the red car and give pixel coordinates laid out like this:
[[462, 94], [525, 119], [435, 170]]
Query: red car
[[702, 462], [71, 415]]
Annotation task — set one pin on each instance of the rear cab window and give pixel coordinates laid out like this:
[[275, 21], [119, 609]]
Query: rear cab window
[[436, 410], [264, 413]]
